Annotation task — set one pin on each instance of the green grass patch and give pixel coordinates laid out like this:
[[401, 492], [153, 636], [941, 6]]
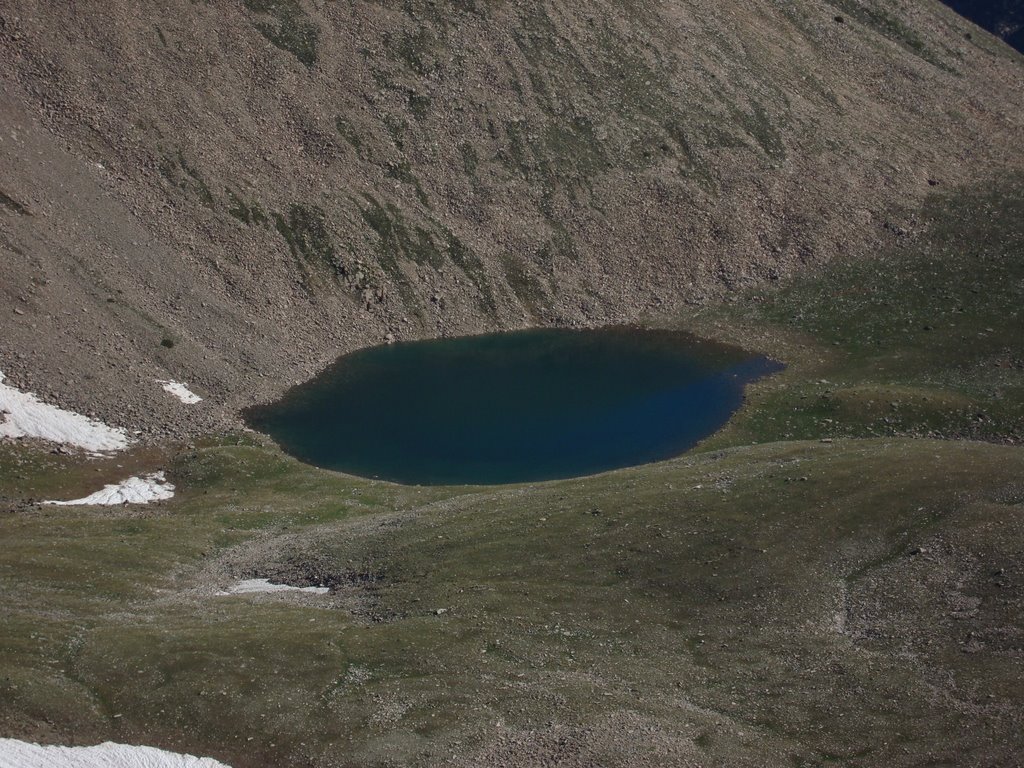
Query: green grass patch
[[559, 603], [786, 602], [922, 339]]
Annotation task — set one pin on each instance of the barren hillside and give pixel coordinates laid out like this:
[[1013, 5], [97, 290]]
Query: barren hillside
[[231, 193]]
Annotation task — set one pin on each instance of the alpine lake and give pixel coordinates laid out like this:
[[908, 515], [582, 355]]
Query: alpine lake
[[512, 407]]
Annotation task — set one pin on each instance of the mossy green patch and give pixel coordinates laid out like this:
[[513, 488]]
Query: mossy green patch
[[402, 171], [249, 213], [463, 257], [289, 28], [397, 239], [470, 158], [177, 170], [304, 228], [430, 245], [528, 288], [560, 155], [396, 128], [420, 105]]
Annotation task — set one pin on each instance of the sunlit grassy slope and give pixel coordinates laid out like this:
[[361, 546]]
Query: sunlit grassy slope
[[926, 339], [825, 581]]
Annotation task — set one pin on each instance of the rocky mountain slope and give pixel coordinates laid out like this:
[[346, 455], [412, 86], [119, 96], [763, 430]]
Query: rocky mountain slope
[[230, 194]]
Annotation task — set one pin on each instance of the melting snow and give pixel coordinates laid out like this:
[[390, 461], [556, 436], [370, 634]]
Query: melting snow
[[134, 490], [252, 586], [21, 754], [180, 391], [22, 414]]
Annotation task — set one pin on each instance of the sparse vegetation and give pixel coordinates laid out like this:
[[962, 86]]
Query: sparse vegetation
[[290, 29], [526, 287], [183, 175], [305, 230], [13, 205], [464, 258], [412, 49], [402, 171], [923, 339], [348, 133], [756, 582], [419, 105], [470, 158], [247, 213], [759, 126], [398, 240], [867, 12]]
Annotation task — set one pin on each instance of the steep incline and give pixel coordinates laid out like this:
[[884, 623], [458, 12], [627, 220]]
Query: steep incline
[[229, 194]]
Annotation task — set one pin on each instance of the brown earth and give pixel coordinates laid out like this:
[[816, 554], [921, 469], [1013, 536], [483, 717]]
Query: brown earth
[[231, 194]]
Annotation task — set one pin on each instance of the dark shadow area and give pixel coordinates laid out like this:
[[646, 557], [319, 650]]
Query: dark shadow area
[[1003, 18]]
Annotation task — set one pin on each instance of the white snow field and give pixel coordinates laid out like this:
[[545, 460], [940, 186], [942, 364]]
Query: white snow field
[[180, 391], [134, 490], [21, 754], [22, 414], [255, 586]]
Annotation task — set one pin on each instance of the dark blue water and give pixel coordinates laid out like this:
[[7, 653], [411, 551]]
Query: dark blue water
[[512, 407], [1003, 18]]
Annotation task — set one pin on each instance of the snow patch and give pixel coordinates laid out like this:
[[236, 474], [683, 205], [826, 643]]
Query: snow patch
[[22, 754], [134, 490], [22, 414], [254, 586], [180, 391]]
